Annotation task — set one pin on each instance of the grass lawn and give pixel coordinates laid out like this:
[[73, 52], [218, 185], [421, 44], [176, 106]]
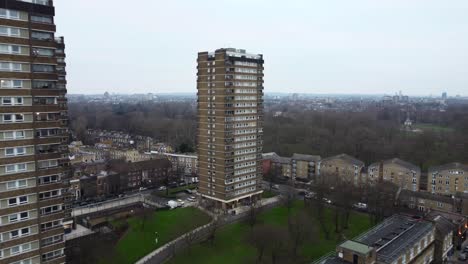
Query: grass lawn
[[231, 247], [139, 240], [434, 127]]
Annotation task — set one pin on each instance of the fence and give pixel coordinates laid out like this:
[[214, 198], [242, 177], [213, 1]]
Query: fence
[[115, 203]]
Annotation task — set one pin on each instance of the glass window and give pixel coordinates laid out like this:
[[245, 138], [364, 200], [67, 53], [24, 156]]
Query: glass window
[[9, 151], [17, 66], [21, 167], [13, 14], [42, 19], [24, 215], [20, 151], [3, 12], [19, 100], [25, 231], [22, 183], [10, 168], [42, 35], [15, 49], [19, 134], [4, 48], [45, 52], [14, 32], [11, 201], [23, 199], [6, 100], [19, 117], [7, 118], [43, 68], [15, 250], [17, 83], [11, 185], [14, 233], [3, 31], [13, 218]]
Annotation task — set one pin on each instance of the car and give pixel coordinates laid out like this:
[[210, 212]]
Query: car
[[193, 197], [162, 188], [465, 250], [462, 257], [302, 192], [190, 199], [328, 201], [361, 206], [142, 189], [188, 191], [275, 187]]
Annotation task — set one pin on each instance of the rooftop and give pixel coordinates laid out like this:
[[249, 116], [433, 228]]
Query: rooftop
[[395, 235], [356, 247], [347, 158], [399, 162], [297, 156], [450, 166]]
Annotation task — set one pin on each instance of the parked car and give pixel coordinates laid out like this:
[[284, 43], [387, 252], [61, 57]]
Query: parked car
[[328, 201], [361, 206], [462, 257], [162, 188], [275, 187], [142, 189]]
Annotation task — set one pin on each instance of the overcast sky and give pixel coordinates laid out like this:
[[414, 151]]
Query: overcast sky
[[326, 46]]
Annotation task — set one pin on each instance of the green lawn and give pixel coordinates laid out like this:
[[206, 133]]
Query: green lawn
[[231, 246], [140, 241], [433, 127]]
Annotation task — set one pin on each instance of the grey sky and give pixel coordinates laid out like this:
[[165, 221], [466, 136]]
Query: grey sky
[[327, 46]]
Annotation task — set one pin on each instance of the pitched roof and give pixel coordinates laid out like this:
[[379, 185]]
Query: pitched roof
[[297, 156], [347, 158], [399, 162], [448, 166]]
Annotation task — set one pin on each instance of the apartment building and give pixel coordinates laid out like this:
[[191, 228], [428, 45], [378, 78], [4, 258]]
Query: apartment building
[[426, 202], [304, 167], [230, 125], [401, 173], [184, 164], [398, 239], [448, 179], [34, 165], [343, 168]]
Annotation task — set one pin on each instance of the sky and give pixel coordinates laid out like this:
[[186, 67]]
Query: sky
[[330, 46]]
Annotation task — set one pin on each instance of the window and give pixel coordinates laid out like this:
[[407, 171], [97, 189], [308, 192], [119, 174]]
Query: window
[[10, 49], [10, 118], [9, 14], [11, 84], [39, 35], [44, 52], [13, 134], [48, 179], [11, 66], [44, 84], [43, 164], [41, 19], [50, 225], [43, 68], [12, 168], [50, 209], [17, 184]]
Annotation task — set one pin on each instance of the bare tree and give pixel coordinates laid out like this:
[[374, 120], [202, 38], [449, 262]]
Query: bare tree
[[212, 229], [260, 239], [279, 242], [252, 216], [301, 230]]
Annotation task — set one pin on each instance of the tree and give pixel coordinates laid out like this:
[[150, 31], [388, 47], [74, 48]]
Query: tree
[[302, 230], [212, 229], [259, 238], [278, 242], [252, 216]]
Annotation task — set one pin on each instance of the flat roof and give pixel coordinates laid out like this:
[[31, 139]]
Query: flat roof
[[395, 235], [356, 247]]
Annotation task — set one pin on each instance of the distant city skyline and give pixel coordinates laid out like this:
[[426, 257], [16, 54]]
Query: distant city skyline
[[331, 47]]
